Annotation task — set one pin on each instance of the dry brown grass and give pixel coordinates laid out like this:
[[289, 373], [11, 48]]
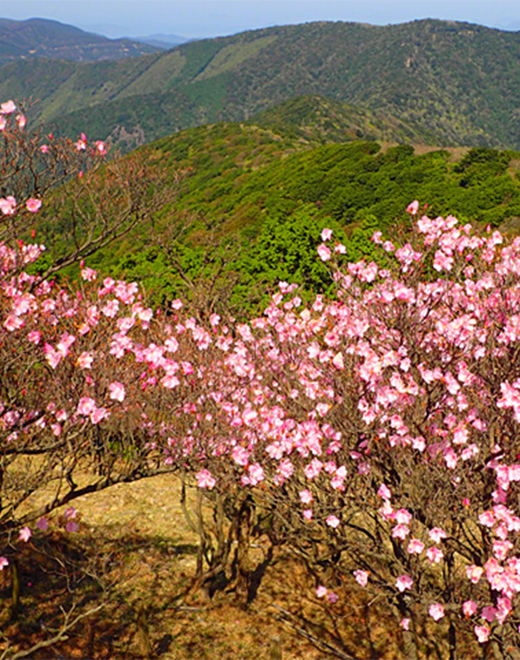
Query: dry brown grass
[[134, 543], [133, 538]]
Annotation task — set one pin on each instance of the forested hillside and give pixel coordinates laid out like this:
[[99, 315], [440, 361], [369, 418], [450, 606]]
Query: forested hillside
[[255, 197], [454, 83], [45, 39]]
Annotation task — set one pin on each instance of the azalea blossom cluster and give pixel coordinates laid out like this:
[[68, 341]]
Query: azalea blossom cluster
[[381, 427], [389, 416], [86, 371], [383, 423], [31, 164], [9, 108], [85, 368]]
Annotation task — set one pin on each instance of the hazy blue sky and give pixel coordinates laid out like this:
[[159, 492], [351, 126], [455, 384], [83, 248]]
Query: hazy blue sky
[[208, 18]]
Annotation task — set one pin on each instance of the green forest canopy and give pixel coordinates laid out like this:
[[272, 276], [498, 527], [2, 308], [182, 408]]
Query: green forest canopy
[[252, 207]]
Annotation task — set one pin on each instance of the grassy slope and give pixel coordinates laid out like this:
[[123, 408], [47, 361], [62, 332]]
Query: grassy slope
[[135, 541], [459, 83]]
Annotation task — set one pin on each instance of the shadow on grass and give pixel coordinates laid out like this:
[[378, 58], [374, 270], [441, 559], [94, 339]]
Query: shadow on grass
[[61, 577]]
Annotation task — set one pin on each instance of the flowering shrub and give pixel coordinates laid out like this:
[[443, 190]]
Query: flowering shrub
[[375, 435], [382, 429], [69, 412]]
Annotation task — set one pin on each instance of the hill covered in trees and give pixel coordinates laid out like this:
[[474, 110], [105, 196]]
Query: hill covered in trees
[[453, 83], [256, 195], [45, 39]]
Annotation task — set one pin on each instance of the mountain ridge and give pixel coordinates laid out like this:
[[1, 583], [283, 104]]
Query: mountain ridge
[[458, 83], [44, 38]]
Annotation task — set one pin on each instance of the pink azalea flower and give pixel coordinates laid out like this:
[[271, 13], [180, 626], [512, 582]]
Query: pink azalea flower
[[101, 148], [436, 611], [256, 474], [313, 469], [386, 511], [306, 496], [240, 455], [469, 607], [474, 573], [434, 555], [170, 381], [332, 521], [56, 429], [307, 514], [415, 547], [85, 406], [88, 274], [33, 205], [400, 532], [13, 323], [117, 391], [171, 345], [42, 524], [501, 548], [404, 582], [326, 235], [384, 492], [71, 526], [332, 597], [451, 459], [3, 563], [52, 356], [321, 591], [361, 577], [437, 534], [8, 108], [8, 205], [482, 633], [489, 613], [34, 336], [85, 360], [403, 517], [324, 252], [442, 261], [286, 468], [25, 534], [111, 308], [413, 207], [187, 368], [503, 610], [405, 624], [205, 479], [70, 513], [487, 519], [21, 120], [66, 341]]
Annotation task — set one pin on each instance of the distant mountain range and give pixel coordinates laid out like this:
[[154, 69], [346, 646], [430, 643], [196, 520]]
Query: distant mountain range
[[162, 41], [42, 38], [449, 83]]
